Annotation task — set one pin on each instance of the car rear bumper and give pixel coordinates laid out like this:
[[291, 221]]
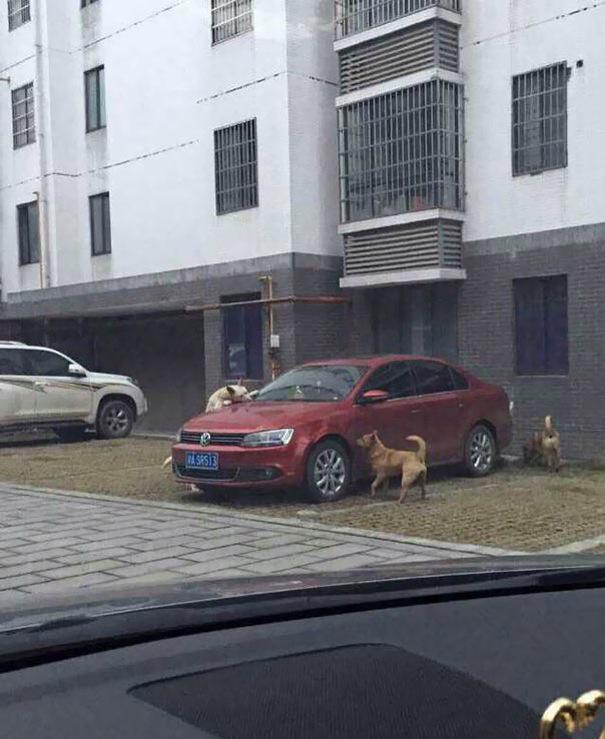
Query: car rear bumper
[[271, 467]]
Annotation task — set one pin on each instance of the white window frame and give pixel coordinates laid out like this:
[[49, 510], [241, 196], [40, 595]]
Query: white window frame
[[230, 18]]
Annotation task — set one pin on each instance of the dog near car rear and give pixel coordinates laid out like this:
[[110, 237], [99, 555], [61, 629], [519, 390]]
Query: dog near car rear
[[387, 463]]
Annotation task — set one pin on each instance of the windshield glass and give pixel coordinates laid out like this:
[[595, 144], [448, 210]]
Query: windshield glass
[[314, 384]]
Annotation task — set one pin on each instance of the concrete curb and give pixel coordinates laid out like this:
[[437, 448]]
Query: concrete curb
[[577, 546], [468, 549]]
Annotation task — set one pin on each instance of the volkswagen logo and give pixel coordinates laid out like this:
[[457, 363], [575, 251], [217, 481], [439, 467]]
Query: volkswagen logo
[[205, 439]]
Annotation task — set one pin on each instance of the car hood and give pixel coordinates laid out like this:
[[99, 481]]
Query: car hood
[[81, 606], [103, 378], [260, 415]]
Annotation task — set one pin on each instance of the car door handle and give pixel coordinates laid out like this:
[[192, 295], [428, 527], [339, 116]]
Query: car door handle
[[415, 411]]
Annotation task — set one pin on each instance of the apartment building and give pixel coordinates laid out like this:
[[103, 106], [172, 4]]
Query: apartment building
[[317, 177], [159, 155], [472, 167]]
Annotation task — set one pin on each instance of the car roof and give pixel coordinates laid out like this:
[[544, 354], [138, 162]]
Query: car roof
[[373, 361]]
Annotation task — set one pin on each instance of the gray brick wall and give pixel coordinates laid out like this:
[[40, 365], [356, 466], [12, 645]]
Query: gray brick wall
[[486, 336]]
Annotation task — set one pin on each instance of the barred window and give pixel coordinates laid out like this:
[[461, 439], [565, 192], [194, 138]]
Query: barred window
[[29, 234], [402, 152], [94, 85], [539, 125], [18, 13], [236, 173], [24, 124], [353, 16], [100, 224], [230, 18]]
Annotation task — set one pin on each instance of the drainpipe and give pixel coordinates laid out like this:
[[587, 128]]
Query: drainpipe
[[40, 113]]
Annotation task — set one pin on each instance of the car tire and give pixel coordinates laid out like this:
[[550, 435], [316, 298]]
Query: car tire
[[71, 435], [328, 472], [115, 420], [480, 451]]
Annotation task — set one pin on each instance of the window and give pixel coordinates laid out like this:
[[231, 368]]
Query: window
[[100, 224], [243, 338], [353, 16], [24, 125], [230, 18], [541, 325], [395, 378], [46, 364], [236, 167], [460, 381], [94, 85], [18, 13], [11, 362], [540, 120], [29, 233], [402, 152], [85, 3], [432, 377]]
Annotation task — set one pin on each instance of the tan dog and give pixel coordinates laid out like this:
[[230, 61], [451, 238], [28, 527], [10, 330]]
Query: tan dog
[[551, 445], [387, 463], [226, 396], [544, 446]]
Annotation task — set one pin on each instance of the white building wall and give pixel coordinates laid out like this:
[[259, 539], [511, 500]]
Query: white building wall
[[501, 39], [167, 89]]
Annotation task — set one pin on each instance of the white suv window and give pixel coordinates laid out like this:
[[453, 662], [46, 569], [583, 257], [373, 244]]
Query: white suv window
[[12, 362], [46, 364]]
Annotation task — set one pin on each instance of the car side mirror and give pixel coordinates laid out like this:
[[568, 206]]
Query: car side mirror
[[75, 370], [374, 396]]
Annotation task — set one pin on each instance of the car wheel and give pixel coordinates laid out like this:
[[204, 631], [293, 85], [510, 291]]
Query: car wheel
[[328, 472], [481, 451], [115, 420], [71, 435]]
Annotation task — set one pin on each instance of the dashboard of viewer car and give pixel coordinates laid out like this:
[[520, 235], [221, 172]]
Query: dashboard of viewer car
[[480, 667]]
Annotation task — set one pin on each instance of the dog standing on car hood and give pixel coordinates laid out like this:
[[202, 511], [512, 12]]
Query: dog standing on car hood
[[387, 463], [222, 398]]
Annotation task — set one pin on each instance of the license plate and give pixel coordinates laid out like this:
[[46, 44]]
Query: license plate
[[201, 461]]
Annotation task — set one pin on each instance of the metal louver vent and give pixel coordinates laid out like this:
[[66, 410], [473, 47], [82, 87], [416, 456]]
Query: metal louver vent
[[431, 44], [413, 246]]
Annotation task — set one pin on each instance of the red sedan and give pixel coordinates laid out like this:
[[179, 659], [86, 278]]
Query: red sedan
[[302, 428]]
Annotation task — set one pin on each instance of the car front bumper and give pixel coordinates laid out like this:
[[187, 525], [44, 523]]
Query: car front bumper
[[242, 467]]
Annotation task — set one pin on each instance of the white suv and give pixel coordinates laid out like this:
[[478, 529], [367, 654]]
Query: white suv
[[42, 388]]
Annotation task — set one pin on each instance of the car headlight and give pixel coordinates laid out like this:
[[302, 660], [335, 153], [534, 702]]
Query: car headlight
[[177, 436], [269, 438]]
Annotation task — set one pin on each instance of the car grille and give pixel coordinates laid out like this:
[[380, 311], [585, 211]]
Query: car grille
[[208, 475], [217, 439]]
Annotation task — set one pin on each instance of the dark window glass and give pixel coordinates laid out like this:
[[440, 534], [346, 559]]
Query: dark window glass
[[84, 3], [100, 224], [11, 362], [432, 377], [47, 364], [541, 325], [18, 13], [29, 233], [243, 338], [24, 122], [539, 127], [236, 171], [395, 378], [94, 84], [459, 380]]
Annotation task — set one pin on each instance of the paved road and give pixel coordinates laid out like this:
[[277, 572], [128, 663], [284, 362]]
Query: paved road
[[51, 542]]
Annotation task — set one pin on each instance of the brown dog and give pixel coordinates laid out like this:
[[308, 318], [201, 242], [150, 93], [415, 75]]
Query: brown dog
[[387, 463], [544, 446], [551, 445]]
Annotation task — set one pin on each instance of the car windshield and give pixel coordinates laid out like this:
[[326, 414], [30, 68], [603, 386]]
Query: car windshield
[[313, 384]]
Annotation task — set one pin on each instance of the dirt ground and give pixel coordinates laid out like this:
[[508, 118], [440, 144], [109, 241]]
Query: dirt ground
[[515, 508]]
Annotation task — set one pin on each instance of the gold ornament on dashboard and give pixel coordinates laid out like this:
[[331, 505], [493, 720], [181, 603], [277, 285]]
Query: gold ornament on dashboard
[[572, 716]]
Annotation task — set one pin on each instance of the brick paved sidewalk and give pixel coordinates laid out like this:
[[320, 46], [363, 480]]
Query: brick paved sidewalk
[[54, 541]]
